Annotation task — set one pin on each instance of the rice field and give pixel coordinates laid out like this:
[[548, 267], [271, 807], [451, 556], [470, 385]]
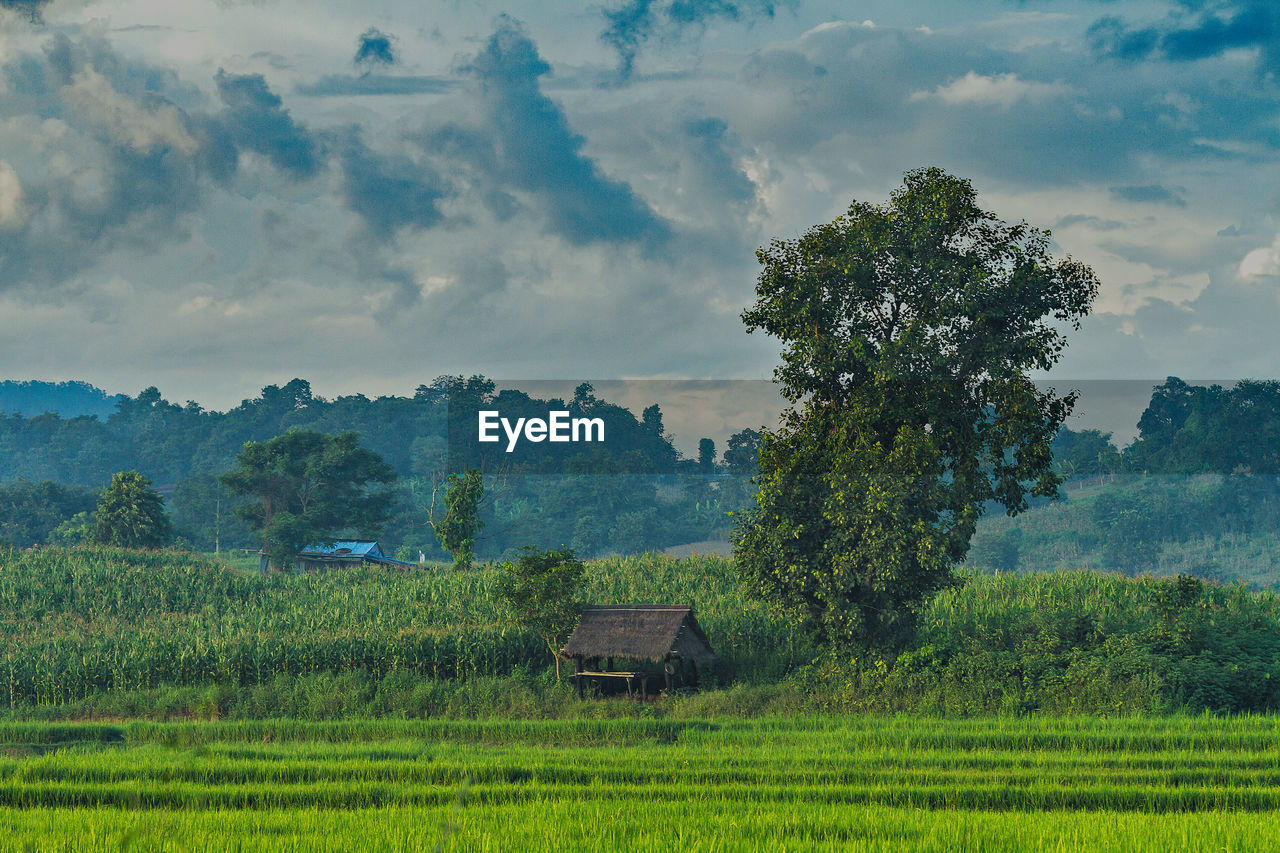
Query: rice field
[[848, 783]]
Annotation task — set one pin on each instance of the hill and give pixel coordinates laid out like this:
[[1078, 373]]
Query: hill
[[67, 399], [1218, 527]]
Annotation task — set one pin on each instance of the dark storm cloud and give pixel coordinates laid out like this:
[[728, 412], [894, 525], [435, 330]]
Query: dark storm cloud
[[374, 48], [341, 85], [528, 143], [388, 192], [1196, 29], [637, 21], [1152, 193], [257, 120]]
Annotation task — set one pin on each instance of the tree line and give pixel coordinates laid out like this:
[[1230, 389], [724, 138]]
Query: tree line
[[633, 493]]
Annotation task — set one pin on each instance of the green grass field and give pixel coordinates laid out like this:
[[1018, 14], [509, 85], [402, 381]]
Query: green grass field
[[880, 783], [389, 710]]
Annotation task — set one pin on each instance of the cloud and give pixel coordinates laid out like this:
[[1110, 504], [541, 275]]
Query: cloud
[[708, 146], [1092, 221], [527, 141], [1195, 30], [339, 85], [100, 161], [11, 207], [1002, 90], [1150, 193], [374, 49], [851, 102], [1261, 262], [389, 192], [158, 125], [257, 120], [32, 10], [1109, 36], [637, 21]]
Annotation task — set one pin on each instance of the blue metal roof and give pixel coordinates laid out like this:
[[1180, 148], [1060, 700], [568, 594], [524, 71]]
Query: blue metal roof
[[354, 547]]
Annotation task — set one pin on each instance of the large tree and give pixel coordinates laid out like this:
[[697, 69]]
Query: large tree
[[307, 487], [908, 330], [131, 514]]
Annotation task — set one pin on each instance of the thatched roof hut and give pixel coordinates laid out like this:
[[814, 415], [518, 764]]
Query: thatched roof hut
[[662, 633], [653, 632]]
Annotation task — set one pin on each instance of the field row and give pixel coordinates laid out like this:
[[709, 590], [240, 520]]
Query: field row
[[898, 783]]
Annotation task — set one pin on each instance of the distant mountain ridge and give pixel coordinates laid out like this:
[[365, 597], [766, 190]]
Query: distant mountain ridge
[[69, 399]]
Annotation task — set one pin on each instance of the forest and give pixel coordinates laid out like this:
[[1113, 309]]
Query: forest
[[1195, 492]]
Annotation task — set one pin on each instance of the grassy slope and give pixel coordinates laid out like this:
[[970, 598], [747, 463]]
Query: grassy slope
[[1204, 525]]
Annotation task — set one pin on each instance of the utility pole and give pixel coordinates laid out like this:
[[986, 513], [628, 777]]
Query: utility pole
[[217, 526]]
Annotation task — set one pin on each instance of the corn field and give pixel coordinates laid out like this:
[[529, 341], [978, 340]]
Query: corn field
[[80, 622]]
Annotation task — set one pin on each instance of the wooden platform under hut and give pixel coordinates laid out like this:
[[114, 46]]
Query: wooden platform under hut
[[639, 635]]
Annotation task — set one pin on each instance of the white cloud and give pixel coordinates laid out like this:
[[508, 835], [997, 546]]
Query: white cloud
[[127, 120], [1002, 90], [1262, 261], [12, 211]]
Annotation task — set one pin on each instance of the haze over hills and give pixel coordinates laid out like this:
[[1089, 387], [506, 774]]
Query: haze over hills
[[33, 397]]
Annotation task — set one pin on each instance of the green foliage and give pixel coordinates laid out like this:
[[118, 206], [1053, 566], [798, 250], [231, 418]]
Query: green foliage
[[1084, 454], [31, 512], [306, 487], [187, 445], [909, 330], [461, 523], [204, 514], [1192, 429], [131, 514], [540, 591], [87, 622], [76, 530], [846, 535], [115, 633], [1219, 527], [706, 455], [742, 454]]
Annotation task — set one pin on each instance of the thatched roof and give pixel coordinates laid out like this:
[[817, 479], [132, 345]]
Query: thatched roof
[[639, 631]]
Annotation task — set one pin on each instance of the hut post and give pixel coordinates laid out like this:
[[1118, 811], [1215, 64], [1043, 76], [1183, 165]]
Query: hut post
[[577, 674]]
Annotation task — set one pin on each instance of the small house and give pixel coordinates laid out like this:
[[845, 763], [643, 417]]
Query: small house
[[641, 635], [345, 554]]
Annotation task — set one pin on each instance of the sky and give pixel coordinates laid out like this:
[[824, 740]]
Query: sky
[[213, 197]]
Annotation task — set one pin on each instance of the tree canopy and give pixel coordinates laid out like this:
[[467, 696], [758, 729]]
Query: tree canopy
[[131, 514], [307, 487], [461, 523], [909, 330], [540, 591]]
